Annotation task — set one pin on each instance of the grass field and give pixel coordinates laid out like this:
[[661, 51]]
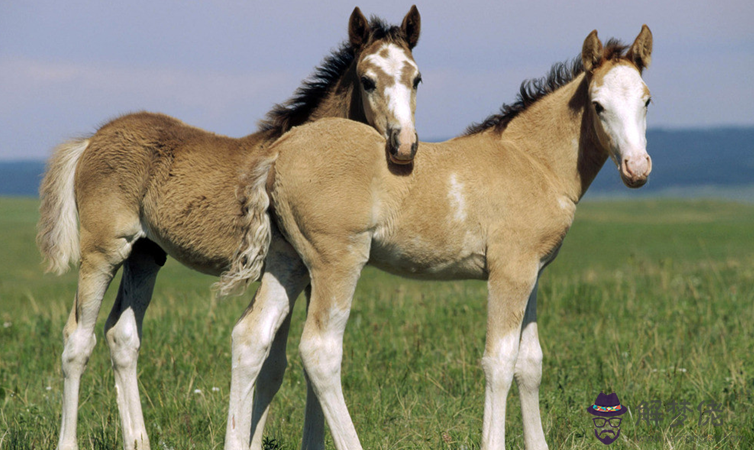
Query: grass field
[[653, 300]]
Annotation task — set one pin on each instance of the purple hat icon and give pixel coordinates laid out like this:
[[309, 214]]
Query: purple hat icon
[[607, 405]]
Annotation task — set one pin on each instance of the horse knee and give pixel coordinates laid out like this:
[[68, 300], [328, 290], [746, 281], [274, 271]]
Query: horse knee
[[76, 352], [123, 340], [499, 369], [529, 370], [322, 357], [252, 338]]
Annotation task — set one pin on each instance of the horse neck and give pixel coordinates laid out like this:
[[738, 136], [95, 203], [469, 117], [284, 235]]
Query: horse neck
[[558, 132], [343, 100]]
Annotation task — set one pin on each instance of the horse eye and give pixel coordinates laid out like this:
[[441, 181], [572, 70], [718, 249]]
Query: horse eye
[[368, 84], [646, 104], [417, 80], [597, 107]]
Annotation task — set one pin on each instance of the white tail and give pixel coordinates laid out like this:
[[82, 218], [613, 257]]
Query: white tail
[[57, 230], [249, 257]]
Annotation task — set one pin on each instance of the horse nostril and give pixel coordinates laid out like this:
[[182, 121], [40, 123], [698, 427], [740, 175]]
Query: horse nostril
[[394, 140], [628, 167]]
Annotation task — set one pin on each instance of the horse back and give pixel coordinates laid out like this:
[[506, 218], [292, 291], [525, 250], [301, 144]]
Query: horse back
[[179, 182]]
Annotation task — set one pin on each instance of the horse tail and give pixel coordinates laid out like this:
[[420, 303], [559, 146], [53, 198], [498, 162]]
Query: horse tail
[[248, 259], [57, 230]]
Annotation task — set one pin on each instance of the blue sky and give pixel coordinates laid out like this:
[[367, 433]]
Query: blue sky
[[68, 67]]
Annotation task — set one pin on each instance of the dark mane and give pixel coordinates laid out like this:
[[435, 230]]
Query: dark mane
[[381, 30], [534, 89], [297, 109]]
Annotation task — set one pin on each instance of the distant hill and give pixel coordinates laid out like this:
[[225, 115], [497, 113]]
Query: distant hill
[[20, 178], [714, 162], [695, 160]]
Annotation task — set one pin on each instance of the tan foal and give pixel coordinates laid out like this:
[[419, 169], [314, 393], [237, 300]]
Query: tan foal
[[146, 185], [494, 204]]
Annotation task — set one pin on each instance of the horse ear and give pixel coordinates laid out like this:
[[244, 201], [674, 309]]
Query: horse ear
[[641, 50], [358, 29], [411, 26], [591, 52]]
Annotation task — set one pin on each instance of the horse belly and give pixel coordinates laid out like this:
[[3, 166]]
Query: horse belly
[[204, 259], [417, 257], [199, 227]]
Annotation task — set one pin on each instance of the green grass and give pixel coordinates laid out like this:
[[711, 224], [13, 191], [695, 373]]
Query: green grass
[[650, 299]]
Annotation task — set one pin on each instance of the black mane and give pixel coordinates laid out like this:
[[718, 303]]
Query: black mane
[[297, 109], [534, 89]]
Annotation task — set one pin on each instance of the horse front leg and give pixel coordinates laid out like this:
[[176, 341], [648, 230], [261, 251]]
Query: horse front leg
[[510, 283], [332, 287], [314, 418], [528, 375]]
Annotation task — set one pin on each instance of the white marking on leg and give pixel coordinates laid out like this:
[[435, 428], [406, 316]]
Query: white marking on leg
[[322, 354], [252, 337], [78, 348], [124, 345], [498, 368], [123, 334], [268, 383], [529, 376], [93, 282], [506, 306]]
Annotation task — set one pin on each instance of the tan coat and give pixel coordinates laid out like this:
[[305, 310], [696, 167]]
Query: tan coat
[[495, 205]]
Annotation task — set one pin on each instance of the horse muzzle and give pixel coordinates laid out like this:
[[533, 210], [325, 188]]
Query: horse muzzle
[[402, 145], [634, 172]]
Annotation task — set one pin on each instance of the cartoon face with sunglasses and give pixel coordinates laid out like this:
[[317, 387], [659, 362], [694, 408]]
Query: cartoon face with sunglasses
[[608, 410]]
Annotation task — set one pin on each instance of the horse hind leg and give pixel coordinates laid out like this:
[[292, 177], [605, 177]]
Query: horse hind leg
[[269, 382], [123, 334], [314, 420], [258, 351], [100, 259]]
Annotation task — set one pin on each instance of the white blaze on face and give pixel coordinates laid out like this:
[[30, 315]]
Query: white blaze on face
[[456, 199], [623, 95], [392, 62]]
